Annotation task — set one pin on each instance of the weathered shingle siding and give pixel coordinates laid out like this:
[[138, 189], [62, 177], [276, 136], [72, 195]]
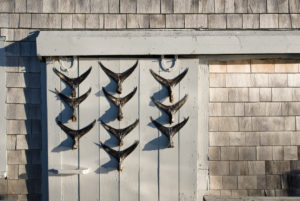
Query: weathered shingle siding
[[253, 124], [19, 18]]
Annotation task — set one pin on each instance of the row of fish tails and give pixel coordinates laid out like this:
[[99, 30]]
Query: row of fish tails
[[152, 172]]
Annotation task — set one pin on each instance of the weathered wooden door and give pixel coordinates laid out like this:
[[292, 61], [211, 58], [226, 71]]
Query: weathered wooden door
[[152, 171]]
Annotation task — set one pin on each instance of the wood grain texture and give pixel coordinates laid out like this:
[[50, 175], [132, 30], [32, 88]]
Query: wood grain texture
[[188, 6], [99, 6], [50, 6], [82, 6], [188, 135], [69, 157], [149, 155], [114, 6], [148, 6], [89, 153], [167, 6], [168, 157], [110, 177], [138, 21], [240, 6], [257, 6], [129, 177], [219, 6], [54, 158], [128, 6], [66, 6], [3, 138], [207, 6], [229, 6]]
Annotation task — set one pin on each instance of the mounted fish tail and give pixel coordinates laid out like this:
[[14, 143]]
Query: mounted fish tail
[[73, 102], [76, 134], [119, 102], [118, 77], [170, 110], [169, 132], [120, 133], [73, 82], [169, 83], [120, 155]]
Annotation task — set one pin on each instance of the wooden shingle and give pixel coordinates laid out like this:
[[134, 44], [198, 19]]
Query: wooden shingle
[[167, 6], [257, 6], [148, 6], [127, 6]]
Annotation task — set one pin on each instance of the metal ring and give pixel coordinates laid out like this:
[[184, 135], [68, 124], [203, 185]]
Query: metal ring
[[168, 69], [62, 65]]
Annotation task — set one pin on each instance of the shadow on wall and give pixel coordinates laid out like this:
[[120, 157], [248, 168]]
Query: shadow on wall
[[293, 183], [23, 106]]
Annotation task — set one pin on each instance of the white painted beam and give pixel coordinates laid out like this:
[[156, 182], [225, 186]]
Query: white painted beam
[[101, 43]]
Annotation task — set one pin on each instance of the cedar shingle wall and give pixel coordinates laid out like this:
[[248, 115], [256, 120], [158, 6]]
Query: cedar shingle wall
[[19, 18], [254, 126]]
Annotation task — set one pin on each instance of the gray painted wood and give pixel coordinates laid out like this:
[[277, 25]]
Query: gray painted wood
[[69, 157], [44, 130], [61, 156], [171, 42], [129, 177], [109, 177], [54, 158], [203, 113], [169, 157], [89, 111], [203, 136], [188, 138], [149, 154], [152, 171], [3, 140]]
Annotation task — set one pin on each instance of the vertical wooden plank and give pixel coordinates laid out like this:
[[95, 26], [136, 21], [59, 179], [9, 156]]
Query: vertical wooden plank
[[149, 140], [129, 177], [109, 182], [88, 149], [203, 101], [168, 157], [188, 134], [69, 157], [44, 124], [53, 110], [3, 140]]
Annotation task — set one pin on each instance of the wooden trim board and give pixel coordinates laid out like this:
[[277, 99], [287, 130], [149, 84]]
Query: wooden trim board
[[108, 43]]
